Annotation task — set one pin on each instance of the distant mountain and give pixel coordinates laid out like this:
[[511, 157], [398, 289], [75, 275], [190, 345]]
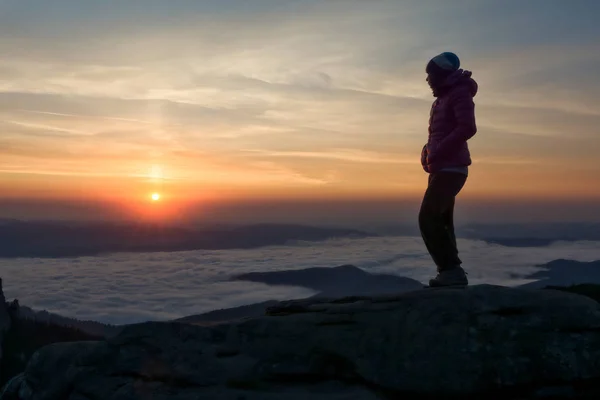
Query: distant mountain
[[564, 273], [64, 239], [530, 235], [509, 235], [520, 242], [345, 280], [392, 229]]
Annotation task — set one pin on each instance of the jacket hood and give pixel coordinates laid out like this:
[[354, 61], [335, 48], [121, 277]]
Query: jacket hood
[[462, 78]]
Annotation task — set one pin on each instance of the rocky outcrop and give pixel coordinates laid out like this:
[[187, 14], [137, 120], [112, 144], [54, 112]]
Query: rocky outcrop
[[481, 341], [231, 315], [22, 333], [4, 320]]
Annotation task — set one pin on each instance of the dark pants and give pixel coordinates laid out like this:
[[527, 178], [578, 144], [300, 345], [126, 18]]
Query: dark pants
[[436, 218]]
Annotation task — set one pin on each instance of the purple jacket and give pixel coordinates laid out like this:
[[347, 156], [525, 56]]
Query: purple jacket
[[451, 124]]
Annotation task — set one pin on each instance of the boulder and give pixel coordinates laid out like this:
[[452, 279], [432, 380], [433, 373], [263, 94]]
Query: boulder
[[441, 343]]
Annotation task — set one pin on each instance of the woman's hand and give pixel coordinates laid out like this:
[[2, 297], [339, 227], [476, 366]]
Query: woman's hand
[[424, 156]]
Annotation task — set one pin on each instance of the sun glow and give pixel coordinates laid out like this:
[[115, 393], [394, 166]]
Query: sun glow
[[155, 197], [156, 173]]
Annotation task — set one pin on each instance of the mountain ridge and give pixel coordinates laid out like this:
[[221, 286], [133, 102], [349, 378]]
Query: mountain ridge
[[53, 239]]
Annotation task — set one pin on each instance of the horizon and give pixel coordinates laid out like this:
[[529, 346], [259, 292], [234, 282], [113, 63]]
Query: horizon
[[350, 213], [286, 111]]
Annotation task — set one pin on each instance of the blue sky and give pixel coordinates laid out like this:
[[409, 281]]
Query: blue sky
[[291, 98]]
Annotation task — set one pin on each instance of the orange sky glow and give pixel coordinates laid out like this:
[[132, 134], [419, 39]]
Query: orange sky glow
[[321, 104]]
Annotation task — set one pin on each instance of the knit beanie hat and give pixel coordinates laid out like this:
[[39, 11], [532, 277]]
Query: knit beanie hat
[[443, 64]]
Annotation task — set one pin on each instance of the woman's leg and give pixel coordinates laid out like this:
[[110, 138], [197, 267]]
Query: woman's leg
[[436, 218], [449, 224]]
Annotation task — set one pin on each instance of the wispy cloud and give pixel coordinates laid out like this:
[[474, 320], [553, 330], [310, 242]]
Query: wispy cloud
[[351, 155], [84, 116], [46, 128], [315, 93]]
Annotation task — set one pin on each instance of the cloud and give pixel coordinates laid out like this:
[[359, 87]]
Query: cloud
[[128, 288], [351, 155], [46, 128], [84, 116], [312, 88]]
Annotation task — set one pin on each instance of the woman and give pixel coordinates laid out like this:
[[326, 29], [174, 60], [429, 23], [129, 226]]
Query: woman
[[447, 159]]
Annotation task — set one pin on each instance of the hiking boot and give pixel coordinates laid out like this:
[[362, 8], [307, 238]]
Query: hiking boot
[[450, 277]]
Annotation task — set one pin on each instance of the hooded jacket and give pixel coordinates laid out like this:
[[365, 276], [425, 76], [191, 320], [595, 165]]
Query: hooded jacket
[[451, 124]]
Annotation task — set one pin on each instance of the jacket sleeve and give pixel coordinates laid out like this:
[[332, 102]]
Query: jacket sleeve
[[465, 128]]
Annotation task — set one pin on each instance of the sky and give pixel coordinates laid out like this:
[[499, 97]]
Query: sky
[[239, 102]]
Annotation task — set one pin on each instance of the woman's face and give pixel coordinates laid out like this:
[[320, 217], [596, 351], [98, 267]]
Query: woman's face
[[433, 81]]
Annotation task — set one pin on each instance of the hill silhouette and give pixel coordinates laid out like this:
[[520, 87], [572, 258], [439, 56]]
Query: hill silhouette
[[63, 239]]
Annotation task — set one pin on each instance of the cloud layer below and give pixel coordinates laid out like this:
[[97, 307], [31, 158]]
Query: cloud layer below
[[129, 288]]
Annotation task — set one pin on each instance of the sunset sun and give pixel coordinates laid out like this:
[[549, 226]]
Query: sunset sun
[[155, 196]]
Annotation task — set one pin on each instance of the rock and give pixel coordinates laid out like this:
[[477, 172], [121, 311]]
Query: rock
[[482, 341], [26, 335], [229, 314], [13, 387], [590, 290], [4, 318], [553, 392]]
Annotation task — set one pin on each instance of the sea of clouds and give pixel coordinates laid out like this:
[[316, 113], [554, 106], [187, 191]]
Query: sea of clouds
[[128, 288]]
